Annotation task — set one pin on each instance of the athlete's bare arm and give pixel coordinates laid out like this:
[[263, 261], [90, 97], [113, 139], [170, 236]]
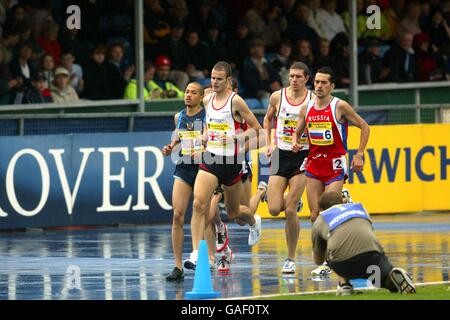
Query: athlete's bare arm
[[167, 149], [272, 110], [296, 147], [240, 108], [345, 112]]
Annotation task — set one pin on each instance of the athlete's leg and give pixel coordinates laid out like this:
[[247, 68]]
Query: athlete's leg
[[335, 186], [292, 225], [314, 188], [205, 183], [275, 194], [181, 195]]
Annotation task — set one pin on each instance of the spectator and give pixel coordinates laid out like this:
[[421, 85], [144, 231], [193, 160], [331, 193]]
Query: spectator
[[425, 14], [131, 89], [160, 84], [204, 15], [62, 91], [40, 15], [323, 57], [299, 29], [26, 36], [118, 78], [15, 17], [48, 41], [8, 84], [156, 26], [9, 40], [178, 11], [430, 65], [282, 61], [438, 29], [341, 51], [258, 76], [37, 93], [215, 46], [411, 23], [399, 62], [303, 52], [72, 41], [266, 23], [287, 9], [96, 76], [330, 20], [21, 66], [47, 68], [392, 15], [238, 45], [370, 63], [197, 53], [314, 19], [74, 69]]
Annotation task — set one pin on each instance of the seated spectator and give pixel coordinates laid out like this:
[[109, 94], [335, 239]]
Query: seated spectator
[[369, 62], [8, 84], [303, 52], [37, 93], [75, 71], [72, 41], [258, 76], [341, 51], [40, 13], [283, 61], [62, 91], [161, 84], [399, 62], [298, 28], [96, 76], [314, 18], [156, 26], [197, 54], [118, 77], [131, 89], [178, 11], [411, 23], [324, 57], [47, 68], [15, 16], [7, 44], [438, 29], [49, 41], [202, 15], [238, 45], [21, 66], [330, 20], [392, 14], [430, 65], [215, 46], [265, 23], [25, 35]]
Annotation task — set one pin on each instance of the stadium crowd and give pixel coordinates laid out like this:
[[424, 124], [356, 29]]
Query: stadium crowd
[[41, 60]]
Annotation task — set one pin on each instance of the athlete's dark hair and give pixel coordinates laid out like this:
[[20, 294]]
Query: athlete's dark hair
[[300, 66], [200, 87], [329, 199], [234, 83], [329, 71], [223, 66]]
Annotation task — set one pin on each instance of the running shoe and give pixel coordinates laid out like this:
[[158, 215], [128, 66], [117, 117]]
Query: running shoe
[[346, 198], [223, 265], [322, 270], [288, 266], [263, 186], [221, 237], [255, 232], [345, 289], [175, 275], [402, 281], [192, 261]]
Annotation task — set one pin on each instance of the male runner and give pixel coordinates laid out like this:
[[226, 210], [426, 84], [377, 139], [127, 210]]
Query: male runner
[[223, 161], [326, 119], [287, 166]]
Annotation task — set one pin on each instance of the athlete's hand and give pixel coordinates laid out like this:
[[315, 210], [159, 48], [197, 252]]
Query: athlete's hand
[[268, 151], [226, 139], [197, 156], [167, 150], [357, 163], [296, 147]]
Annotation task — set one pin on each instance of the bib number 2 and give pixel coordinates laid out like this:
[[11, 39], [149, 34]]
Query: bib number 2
[[339, 163]]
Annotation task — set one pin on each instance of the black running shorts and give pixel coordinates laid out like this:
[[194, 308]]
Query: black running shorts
[[287, 164]]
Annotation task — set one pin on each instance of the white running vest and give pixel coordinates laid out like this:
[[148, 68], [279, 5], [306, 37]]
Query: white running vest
[[220, 121], [287, 120]]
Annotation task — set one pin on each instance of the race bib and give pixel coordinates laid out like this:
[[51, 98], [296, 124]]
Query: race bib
[[215, 131], [321, 133], [340, 163], [289, 127], [190, 141]]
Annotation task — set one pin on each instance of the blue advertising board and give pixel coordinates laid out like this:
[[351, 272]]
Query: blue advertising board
[[85, 179]]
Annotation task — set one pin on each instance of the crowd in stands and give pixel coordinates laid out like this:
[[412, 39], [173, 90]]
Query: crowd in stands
[[41, 60]]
